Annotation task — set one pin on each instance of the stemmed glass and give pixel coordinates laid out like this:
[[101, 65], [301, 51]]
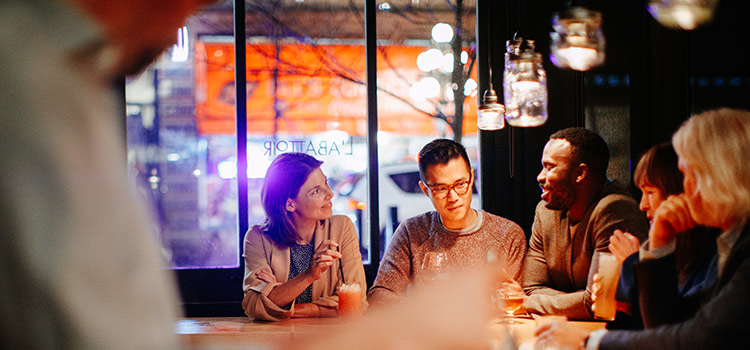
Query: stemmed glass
[[510, 298], [433, 264]]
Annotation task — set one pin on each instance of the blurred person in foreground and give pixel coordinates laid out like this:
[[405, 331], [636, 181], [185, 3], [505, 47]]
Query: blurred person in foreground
[[448, 313], [467, 236], [579, 211], [658, 177], [296, 261], [81, 267], [712, 148]]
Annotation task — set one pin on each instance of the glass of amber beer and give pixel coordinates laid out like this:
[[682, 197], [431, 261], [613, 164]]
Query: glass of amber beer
[[350, 300], [608, 270]]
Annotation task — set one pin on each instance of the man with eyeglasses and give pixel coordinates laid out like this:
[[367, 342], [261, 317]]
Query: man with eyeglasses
[[579, 211], [466, 236]]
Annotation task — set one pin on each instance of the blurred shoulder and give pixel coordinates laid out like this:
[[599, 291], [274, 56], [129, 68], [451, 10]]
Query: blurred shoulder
[[420, 227], [501, 224], [424, 220], [499, 220]]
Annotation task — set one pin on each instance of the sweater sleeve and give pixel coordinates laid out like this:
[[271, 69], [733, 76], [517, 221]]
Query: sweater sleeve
[[535, 276], [515, 252], [544, 299], [394, 274], [618, 212]]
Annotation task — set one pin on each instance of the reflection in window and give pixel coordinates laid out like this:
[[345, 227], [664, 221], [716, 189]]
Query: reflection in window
[[306, 93]]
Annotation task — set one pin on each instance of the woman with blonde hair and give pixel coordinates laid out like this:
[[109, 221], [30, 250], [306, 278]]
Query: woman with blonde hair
[[713, 150]]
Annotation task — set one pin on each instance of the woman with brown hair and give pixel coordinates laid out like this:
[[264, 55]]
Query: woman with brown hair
[[658, 177], [297, 260]]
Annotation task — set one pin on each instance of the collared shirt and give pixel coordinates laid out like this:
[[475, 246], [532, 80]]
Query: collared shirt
[[725, 242]]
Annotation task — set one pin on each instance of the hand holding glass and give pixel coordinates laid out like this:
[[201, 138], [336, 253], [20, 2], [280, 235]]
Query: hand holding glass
[[607, 271], [513, 297]]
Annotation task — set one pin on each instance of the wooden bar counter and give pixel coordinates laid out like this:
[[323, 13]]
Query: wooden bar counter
[[241, 333]]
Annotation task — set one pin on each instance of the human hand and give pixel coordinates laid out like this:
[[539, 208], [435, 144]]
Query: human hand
[[596, 287], [512, 286], [265, 274], [671, 218], [623, 244], [323, 257], [512, 295], [559, 335]]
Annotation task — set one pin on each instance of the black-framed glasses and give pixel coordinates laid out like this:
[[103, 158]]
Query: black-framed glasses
[[442, 191]]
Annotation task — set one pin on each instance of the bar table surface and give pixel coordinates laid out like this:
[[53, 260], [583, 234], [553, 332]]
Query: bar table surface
[[241, 333]]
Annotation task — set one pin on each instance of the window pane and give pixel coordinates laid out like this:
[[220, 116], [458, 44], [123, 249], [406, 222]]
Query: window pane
[[416, 104], [305, 93], [180, 167]]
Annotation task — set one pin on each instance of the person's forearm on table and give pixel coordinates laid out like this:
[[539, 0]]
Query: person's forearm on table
[[314, 310], [285, 293]]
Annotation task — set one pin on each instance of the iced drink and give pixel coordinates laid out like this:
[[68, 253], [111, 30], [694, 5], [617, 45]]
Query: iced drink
[[609, 272], [350, 300]]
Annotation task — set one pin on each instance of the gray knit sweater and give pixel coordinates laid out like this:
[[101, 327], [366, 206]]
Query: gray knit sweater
[[425, 233]]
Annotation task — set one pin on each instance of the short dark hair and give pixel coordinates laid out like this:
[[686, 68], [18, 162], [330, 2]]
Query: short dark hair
[[588, 147], [658, 167], [440, 151], [284, 178]]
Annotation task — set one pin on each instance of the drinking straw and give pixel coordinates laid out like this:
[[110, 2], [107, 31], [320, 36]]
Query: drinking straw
[[341, 268]]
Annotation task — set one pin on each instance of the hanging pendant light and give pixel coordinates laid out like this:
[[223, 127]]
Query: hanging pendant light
[[490, 113], [512, 53], [577, 42], [685, 14], [525, 85]]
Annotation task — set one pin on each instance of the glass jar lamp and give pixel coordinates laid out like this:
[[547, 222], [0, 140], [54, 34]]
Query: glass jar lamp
[[525, 84], [490, 114], [682, 14], [578, 40]]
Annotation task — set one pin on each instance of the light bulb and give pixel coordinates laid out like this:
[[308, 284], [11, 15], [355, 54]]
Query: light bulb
[[442, 33], [578, 58]]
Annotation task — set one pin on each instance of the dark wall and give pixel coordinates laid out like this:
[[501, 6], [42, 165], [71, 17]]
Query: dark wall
[[653, 79]]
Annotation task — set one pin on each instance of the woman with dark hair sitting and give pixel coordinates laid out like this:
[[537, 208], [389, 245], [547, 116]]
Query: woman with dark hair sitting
[[296, 261], [658, 177]]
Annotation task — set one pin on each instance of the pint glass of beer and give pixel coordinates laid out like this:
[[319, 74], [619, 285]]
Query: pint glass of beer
[[609, 274]]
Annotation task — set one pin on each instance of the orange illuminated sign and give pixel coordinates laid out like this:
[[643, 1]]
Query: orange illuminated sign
[[305, 89]]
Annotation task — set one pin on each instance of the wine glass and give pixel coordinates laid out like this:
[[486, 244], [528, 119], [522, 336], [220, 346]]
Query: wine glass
[[510, 298], [433, 264]]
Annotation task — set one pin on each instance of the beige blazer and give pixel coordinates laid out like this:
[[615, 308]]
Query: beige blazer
[[261, 252]]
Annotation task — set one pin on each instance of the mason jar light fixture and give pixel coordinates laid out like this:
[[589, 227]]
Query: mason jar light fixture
[[578, 41], [525, 85], [684, 14]]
